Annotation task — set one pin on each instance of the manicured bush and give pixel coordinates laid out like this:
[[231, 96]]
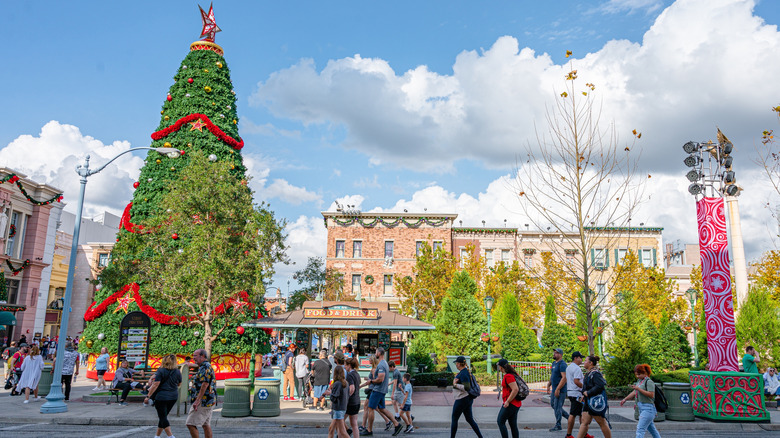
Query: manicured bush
[[432, 379], [518, 342], [672, 376], [481, 366], [414, 360]]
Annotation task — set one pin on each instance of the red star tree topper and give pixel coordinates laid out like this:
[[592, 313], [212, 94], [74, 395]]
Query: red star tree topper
[[210, 27]]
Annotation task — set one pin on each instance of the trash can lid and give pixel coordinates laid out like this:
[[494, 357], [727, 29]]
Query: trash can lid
[[267, 378], [679, 384]]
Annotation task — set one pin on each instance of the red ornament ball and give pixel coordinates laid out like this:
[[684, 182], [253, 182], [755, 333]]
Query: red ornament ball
[[181, 152], [183, 343], [174, 236], [170, 98], [136, 184], [240, 330], [190, 80]]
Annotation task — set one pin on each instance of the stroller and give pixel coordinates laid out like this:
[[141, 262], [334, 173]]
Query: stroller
[[308, 389]]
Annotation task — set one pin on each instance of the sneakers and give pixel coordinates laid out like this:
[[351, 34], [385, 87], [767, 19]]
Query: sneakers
[[409, 429], [96, 389], [388, 425], [361, 428], [123, 403], [293, 399], [366, 432], [398, 429], [320, 408], [587, 435], [286, 398], [27, 401], [555, 428]]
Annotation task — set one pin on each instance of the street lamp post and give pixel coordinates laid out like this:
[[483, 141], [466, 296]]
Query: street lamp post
[[414, 300], [55, 400], [489, 306], [692, 294]]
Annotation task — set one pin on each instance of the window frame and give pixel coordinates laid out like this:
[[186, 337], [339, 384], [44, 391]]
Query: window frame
[[385, 284], [343, 248], [357, 251], [392, 249], [359, 284]]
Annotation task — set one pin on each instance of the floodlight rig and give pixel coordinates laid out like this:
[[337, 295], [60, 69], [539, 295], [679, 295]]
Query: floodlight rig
[[711, 171]]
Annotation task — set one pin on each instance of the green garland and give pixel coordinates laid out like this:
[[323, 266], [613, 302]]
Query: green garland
[[3, 287], [370, 223], [369, 279], [21, 268], [14, 179]]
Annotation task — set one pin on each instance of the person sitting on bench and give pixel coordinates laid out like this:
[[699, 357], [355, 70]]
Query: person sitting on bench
[[123, 379]]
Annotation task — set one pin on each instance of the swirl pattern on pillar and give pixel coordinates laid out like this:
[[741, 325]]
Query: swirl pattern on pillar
[[716, 280]]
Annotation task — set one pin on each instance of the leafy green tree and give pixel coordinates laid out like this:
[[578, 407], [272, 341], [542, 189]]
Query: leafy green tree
[[629, 343], [558, 336], [315, 278], [431, 276], [758, 325], [550, 316], [461, 322], [505, 313], [767, 270], [518, 342], [669, 349]]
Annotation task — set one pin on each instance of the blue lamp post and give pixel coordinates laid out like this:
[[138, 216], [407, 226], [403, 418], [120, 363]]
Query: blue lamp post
[[488, 307], [55, 400]]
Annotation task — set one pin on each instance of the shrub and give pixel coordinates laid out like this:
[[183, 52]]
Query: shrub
[[481, 366], [672, 376], [557, 336], [414, 360], [461, 320], [518, 343], [432, 379], [618, 392]]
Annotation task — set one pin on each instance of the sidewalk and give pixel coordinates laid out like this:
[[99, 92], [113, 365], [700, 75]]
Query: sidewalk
[[431, 410]]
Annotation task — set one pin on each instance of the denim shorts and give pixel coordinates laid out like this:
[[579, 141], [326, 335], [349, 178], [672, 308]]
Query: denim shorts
[[407, 407], [318, 390], [337, 415], [376, 400]]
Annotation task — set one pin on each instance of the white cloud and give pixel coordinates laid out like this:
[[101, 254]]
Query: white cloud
[[306, 237], [259, 167], [702, 63], [52, 156], [615, 6]]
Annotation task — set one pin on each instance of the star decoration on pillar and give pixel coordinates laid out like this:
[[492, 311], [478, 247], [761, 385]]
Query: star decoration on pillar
[[197, 124], [210, 27], [123, 302]]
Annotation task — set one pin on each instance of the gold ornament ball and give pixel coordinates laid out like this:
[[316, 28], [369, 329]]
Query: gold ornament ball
[[232, 166], [223, 340], [173, 168], [162, 112], [207, 88], [189, 144], [90, 343], [158, 161], [219, 64], [167, 144], [205, 70], [235, 121], [166, 117]]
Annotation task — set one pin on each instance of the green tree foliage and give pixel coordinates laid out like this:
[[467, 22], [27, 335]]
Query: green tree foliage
[[558, 336], [758, 325], [431, 276], [505, 313], [518, 342], [669, 349], [767, 271], [629, 343], [315, 277], [550, 316], [461, 322]]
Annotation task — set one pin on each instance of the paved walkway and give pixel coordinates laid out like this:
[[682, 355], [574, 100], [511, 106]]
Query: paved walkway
[[431, 409]]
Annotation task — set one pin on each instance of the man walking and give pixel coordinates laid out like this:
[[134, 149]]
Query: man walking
[[574, 379], [558, 382], [203, 395], [301, 372], [397, 390], [376, 401], [750, 360], [320, 370], [288, 370]]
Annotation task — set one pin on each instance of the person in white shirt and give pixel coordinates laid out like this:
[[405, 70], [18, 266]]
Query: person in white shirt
[[301, 370], [771, 382], [574, 378]]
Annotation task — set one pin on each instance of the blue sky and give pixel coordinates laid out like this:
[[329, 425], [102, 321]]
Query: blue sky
[[399, 104]]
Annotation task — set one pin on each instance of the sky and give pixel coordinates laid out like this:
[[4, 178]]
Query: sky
[[398, 105]]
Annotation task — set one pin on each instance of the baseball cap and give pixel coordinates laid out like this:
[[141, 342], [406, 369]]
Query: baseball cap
[[460, 359], [338, 355], [576, 354], [23, 344], [558, 350]]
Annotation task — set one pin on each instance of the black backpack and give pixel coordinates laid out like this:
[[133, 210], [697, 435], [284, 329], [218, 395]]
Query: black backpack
[[661, 405], [473, 389]]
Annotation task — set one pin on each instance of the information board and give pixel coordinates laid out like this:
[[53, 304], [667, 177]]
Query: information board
[[134, 337], [383, 340], [303, 339]]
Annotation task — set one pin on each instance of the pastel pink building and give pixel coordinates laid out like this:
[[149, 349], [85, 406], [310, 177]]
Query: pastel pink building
[[27, 234]]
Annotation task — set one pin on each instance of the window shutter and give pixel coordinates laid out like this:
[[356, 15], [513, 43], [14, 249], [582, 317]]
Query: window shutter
[[617, 259], [606, 258], [654, 261], [593, 257]]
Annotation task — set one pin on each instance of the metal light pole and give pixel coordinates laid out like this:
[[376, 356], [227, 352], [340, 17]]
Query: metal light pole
[[489, 306], [55, 400], [414, 300], [692, 294]]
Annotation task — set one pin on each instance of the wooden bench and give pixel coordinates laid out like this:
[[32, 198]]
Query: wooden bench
[[141, 376]]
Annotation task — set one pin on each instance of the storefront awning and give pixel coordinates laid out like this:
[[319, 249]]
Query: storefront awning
[[342, 315], [7, 318]]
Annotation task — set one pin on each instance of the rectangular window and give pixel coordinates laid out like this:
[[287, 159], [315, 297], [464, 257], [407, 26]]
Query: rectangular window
[[13, 290], [10, 243], [22, 233], [437, 245], [463, 256], [489, 257], [388, 249], [418, 246], [356, 283], [388, 289], [357, 249], [621, 254], [505, 256], [646, 257], [570, 256], [528, 260], [600, 258], [601, 291], [340, 244], [103, 260]]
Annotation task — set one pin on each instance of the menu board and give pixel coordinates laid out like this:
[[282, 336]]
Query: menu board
[[303, 339], [134, 338], [383, 339]]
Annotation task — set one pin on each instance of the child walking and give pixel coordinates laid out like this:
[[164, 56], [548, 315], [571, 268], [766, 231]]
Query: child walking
[[339, 395], [406, 410]]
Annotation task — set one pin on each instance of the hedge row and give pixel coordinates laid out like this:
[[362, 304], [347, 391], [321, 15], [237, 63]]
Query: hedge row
[[432, 379]]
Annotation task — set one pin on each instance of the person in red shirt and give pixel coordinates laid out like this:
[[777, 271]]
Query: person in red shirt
[[511, 405]]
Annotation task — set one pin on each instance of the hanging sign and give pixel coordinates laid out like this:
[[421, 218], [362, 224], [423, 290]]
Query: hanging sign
[[341, 312]]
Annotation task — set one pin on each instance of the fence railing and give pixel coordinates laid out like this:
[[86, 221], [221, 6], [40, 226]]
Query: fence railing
[[535, 374]]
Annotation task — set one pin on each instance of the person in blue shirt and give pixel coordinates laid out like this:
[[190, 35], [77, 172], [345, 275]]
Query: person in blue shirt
[[558, 382], [101, 366]]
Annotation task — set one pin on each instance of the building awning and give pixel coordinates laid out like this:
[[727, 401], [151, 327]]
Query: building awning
[[342, 315], [7, 318]]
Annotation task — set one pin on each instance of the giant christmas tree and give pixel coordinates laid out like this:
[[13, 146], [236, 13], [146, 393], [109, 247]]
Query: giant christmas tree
[[192, 251]]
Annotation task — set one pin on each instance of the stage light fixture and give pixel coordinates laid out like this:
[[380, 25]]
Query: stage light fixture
[[691, 160], [695, 189], [727, 148], [693, 175], [729, 177], [690, 147], [727, 162], [731, 190]]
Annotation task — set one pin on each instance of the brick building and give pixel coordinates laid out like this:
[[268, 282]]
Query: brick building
[[371, 250]]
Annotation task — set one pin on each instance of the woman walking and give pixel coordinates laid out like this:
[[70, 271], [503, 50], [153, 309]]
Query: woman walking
[[101, 366], [645, 394], [31, 373], [371, 376], [353, 404], [594, 399], [463, 401], [165, 391], [509, 390], [339, 396]]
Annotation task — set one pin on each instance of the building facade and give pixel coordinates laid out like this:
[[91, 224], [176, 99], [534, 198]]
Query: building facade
[[371, 250]]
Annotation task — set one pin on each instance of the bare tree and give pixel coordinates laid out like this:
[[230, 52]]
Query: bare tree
[[583, 187], [769, 159]]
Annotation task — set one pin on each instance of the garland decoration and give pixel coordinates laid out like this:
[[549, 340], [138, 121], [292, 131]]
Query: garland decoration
[[3, 287], [21, 268], [14, 179], [372, 222], [203, 122], [239, 301], [12, 231], [369, 279], [125, 222]]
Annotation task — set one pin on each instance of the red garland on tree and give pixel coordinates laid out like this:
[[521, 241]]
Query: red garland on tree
[[207, 123]]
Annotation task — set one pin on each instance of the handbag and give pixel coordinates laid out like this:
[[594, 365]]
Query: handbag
[[597, 404]]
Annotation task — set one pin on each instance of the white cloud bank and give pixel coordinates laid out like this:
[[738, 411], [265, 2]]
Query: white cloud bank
[[702, 63]]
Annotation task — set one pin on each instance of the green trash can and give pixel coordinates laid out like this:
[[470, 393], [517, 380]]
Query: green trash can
[[44, 385], [236, 403], [678, 395], [278, 374], [266, 402]]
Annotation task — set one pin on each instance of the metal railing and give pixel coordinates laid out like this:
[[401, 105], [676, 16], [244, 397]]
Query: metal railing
[[535, 374]]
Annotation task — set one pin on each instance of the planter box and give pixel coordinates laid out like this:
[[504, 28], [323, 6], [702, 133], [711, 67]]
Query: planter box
[[729, 396]]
